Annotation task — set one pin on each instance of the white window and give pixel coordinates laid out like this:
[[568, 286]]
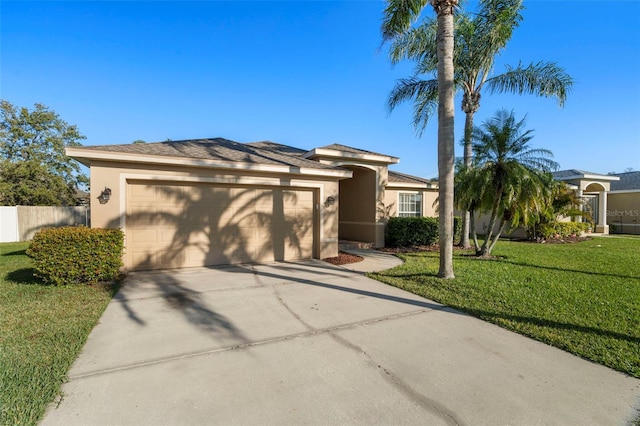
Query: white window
[[409, 204]]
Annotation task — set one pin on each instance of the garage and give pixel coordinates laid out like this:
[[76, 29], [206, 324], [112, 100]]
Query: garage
[[173, 225]]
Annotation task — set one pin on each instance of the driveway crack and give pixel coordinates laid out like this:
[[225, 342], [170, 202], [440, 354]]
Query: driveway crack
[[428, 404], [291, 311]]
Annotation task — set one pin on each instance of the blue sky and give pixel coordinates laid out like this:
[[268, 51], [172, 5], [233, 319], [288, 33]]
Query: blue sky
[[307, 74]]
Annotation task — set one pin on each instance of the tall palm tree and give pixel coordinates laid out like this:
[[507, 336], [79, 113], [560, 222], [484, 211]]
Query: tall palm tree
[[479, 39], [398, 17], [508, 179]]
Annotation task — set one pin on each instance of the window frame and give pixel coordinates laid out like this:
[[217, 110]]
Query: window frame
[[417, 204]]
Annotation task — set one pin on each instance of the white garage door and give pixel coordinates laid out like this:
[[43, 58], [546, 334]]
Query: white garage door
[[172, 226]]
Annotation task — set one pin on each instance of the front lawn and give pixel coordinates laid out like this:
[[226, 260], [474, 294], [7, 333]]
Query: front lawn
[[582, 297], [42, 329]]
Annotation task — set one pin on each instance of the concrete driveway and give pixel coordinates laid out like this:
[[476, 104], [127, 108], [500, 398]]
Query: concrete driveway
[[309, 343]]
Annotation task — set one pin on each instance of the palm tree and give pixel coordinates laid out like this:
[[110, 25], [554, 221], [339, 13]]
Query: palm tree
[[479, 39], [508, 179], [398, 17]]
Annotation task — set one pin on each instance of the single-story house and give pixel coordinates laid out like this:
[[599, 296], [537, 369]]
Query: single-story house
[[216, 201]]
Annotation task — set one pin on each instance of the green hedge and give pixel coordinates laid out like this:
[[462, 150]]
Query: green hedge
[[412, 231], [77, 255], [564, 229]]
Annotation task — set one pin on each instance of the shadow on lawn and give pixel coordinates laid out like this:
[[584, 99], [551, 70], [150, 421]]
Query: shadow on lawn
[[542, 322], [16, 253], [25, 276], [578, 271]]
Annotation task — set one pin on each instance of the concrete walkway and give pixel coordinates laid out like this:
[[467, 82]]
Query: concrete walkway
[[308, 343]]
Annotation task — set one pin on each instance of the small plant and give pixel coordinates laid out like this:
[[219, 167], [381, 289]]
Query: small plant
[[563, 229], [77, 255]]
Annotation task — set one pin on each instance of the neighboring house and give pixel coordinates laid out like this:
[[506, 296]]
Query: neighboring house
[[594, 188], [215, 201], [623, 208]]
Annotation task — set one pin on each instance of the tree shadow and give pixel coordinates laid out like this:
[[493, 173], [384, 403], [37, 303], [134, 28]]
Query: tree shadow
[[203, 225], [547, 323], [569, 270], [290, 271]]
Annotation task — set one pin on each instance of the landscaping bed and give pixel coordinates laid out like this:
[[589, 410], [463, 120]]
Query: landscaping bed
[[343, 258]]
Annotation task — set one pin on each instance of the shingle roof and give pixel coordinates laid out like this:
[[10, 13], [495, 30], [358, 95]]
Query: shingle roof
[[344, 148], [397, 177], [628, 181], [219, 149], [571, 173]]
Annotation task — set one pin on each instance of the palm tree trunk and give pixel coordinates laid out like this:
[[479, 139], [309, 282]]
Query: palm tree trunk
[[496, 237], [472, 222], [446, 139], [468, 153], [492, 222]]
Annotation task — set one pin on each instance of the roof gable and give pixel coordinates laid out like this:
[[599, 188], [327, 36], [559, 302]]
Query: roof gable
[[338, 151]]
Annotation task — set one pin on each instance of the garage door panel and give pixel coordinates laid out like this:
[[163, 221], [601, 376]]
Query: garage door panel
[[142, 235], [140, 192], [195, 225]]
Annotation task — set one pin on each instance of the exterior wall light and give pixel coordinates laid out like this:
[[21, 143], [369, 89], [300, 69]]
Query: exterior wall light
[[331, 200], [105, 195]]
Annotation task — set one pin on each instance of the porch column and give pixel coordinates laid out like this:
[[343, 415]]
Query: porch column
[[602, 226], [582, 206]]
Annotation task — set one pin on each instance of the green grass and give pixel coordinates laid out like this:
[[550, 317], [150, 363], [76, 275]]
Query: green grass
[[42, 329], [582, 297]]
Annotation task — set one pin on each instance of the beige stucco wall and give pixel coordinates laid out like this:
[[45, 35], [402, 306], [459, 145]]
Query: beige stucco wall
[[115, 176], [360, 218], [623, 212], [429, 197]]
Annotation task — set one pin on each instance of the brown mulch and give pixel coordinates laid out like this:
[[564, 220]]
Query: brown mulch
[[343, 258], [565, 240]]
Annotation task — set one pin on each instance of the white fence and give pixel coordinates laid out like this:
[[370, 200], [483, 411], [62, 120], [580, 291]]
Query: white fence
[[20, 223]]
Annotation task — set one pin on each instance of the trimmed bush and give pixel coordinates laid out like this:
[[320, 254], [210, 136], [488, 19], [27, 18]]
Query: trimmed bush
[[564, 229], [413, 231], [77, 255]]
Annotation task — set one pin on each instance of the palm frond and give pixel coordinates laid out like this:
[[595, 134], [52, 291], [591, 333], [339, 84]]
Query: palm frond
[[417, 43], [545, 79], [424, 93], [399, 15]]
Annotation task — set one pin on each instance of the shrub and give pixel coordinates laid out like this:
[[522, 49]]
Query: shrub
[[76, 255], [564, 229], [411, 231]]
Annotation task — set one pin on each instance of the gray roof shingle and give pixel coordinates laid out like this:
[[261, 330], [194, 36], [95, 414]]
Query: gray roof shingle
[[628, 181], [220, 149], [397, 177]]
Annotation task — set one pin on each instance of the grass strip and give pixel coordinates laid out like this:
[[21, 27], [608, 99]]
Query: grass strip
[[42, 330]]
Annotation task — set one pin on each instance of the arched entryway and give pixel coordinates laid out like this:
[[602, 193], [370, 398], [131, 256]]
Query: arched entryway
[[595, 195]]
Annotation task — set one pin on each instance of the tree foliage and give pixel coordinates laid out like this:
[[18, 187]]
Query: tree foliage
[[479, 39], [509, 180], [34, 169]]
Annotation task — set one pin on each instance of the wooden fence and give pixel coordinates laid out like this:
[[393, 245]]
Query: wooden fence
[[20, 223]]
